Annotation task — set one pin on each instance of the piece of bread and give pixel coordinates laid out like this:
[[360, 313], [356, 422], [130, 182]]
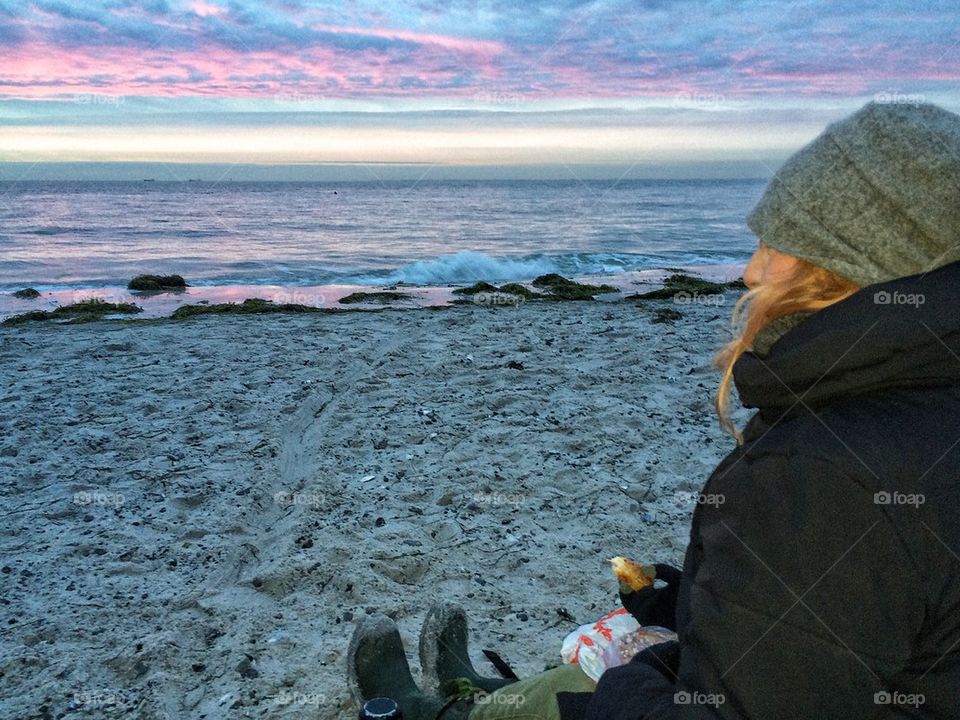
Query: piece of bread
[[632, 573]]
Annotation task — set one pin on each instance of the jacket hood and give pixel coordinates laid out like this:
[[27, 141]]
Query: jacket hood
[[904, 332]]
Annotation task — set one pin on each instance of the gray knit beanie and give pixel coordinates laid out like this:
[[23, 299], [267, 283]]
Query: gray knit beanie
[[874, 197]]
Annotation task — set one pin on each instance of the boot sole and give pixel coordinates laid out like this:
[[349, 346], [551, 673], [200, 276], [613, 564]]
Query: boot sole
[[439, 618]]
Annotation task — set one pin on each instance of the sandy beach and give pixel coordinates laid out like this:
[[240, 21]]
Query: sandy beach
[[197, 512]]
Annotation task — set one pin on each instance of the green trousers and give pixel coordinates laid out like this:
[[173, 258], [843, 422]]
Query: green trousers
[[534, 698]]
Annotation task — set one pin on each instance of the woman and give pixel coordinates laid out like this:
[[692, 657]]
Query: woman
[[827, 583]]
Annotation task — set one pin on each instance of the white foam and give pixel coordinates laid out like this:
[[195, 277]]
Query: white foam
[[470, 266]]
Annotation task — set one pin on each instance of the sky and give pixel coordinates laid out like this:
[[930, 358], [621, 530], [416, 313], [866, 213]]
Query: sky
[[407, 86]]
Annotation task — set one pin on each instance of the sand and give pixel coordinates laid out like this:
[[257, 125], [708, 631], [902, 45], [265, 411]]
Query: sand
[[197, 513]]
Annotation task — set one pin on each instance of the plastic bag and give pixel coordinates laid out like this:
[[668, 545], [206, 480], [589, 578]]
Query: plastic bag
[[611, 641], [586, 644], [622, 650]]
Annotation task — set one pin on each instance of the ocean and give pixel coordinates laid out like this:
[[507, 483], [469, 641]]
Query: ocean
[[58, 236]]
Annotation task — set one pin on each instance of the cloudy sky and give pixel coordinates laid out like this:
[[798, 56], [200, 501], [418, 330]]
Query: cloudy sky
[[606, 83]]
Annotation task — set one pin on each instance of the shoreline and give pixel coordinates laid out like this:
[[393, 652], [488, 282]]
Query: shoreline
[[163, 304]]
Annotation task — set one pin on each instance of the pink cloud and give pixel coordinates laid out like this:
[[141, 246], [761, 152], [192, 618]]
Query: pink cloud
[[434, 64], [466, 46], [37, 70], [206, 9]]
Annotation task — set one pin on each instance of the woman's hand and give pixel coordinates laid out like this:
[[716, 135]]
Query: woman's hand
[[653, 605]]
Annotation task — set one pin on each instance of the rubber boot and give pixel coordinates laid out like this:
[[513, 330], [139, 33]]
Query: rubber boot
[[377, 667], [443, 652]]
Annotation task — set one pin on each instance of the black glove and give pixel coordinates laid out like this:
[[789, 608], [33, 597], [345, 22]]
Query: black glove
[[655, 606]]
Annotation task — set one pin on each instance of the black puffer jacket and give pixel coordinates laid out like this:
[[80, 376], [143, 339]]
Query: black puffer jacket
[[826, 584]]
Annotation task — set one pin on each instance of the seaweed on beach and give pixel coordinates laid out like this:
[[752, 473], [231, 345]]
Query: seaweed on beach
[[477, 287], [157, 283], [554, 287], [558, 287], [79, 312], [483, 293], [382, 296], [31, 316], [519, 290], [680, 283], [250, 306], [27, 294]]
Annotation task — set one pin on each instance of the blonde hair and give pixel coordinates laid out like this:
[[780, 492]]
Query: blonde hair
[[806, 287]]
